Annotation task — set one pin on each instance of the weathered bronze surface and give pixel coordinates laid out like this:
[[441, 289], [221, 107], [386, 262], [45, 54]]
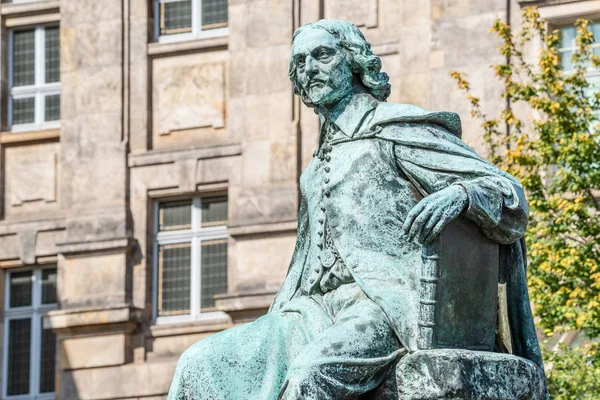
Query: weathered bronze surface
[[374, 293], [468, 275]]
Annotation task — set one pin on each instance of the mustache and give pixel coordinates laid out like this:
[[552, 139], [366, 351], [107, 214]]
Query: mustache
[[314, 81]]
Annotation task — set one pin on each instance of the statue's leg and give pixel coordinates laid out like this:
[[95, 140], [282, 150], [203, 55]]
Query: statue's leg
[[351, 357], [249, 361]]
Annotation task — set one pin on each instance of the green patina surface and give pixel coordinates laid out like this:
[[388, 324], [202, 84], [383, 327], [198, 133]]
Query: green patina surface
[[384, 182]]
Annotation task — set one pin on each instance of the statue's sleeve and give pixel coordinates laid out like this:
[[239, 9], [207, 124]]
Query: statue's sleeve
[[435, 159], [498, 206]]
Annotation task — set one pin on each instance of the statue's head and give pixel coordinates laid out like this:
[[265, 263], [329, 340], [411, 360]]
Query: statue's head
[[328, 58]]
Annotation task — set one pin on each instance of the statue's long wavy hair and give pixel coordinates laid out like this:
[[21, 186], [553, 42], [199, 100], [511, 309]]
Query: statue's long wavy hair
[[364, 64]]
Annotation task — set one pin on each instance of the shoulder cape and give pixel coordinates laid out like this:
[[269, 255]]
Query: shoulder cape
[[423, 145]]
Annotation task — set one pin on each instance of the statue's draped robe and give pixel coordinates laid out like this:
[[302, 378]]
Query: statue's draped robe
[[392, 143]]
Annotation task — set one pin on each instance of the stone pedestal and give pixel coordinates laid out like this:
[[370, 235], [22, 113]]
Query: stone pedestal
[[469, 375]]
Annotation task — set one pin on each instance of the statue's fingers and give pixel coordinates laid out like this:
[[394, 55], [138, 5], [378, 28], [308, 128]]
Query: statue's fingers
[[430, 224], [412, 215], [418, 223], [410, 218], [435, 231]]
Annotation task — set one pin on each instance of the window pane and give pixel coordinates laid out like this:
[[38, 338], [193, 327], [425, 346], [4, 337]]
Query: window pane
[[596, 31], [47, 360], [23, 58], [175, 215], [49, 286], [23, 111], [176, 17], [214, 271], [19, 349], [214, 211], [567, 36], [174, 279], [565, 60], [52, 107], [52, 55], [214, 14], [20, 288]]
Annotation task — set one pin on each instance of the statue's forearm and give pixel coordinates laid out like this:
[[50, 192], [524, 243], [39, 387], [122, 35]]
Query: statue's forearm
[[498, 206]]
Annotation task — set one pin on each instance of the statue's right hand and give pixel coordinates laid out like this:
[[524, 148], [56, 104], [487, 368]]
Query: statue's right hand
[[427, 219]]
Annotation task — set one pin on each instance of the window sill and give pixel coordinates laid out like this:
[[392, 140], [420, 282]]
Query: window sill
[[33, 127], [183, 325], [188, 45], [245, 301], [187, 36], [33, 6], [70, 319], [29, 136], [42, 396]]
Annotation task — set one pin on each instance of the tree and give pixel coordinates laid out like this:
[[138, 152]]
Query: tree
[[573, 373], [556, 155]]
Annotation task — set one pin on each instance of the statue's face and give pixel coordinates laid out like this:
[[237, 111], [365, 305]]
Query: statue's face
[[322, 70]]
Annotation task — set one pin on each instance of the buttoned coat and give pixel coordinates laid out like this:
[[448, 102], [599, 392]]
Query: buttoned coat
[[362, 215]]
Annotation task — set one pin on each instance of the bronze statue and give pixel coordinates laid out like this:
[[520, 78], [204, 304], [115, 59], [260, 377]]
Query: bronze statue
[[363, 285]]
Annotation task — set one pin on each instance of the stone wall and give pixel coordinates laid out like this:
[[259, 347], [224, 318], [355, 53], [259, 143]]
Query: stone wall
[[143, 121]]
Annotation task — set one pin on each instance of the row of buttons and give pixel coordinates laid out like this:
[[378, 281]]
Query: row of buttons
[[326, 149], [325, 158]]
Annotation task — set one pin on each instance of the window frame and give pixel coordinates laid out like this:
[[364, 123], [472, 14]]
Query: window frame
[[590, 73], [39, 90], [36, 312], [196, 33], [195, 236]]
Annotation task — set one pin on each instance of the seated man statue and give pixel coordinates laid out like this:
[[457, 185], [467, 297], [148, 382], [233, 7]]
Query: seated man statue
[[384, 181]]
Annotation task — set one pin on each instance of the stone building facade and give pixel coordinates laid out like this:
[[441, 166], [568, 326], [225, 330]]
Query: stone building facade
[[150, 152]]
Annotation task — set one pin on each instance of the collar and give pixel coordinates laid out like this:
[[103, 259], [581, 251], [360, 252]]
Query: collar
[[354, 113]]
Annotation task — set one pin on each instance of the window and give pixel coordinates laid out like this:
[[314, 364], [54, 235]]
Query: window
[[30, 356], [187, 19], [568, 45], [191, 256], [34, 78]]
